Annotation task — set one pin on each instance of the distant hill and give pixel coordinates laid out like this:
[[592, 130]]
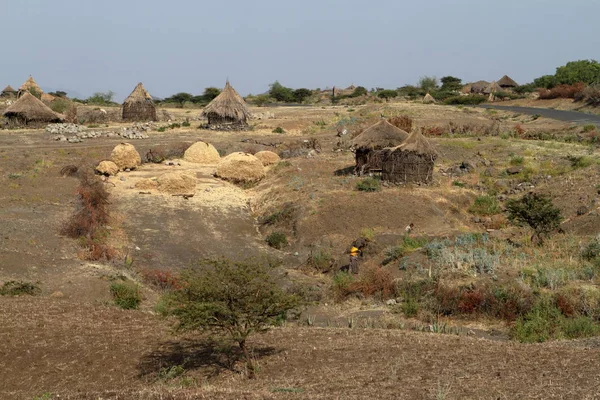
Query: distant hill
[[70, 93]]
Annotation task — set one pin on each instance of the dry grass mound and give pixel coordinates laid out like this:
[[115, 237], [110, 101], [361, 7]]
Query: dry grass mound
[[125, 156], [267, 157], [177, 183], [202, 153], [107, 168], [241, 168], [146, 184]]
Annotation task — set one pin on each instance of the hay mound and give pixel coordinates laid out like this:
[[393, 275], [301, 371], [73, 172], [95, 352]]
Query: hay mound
[[241, 167], [267, 157], [177, 183], [125, 156], [202, 153], [146, 184], [107, 168]]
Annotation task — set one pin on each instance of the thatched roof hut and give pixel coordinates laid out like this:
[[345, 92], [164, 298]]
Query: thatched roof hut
[[139, 106], [428, 99], [492, 88], [479, 86], [227, 111], [30, 86], [30, 111], [9, 92], [368, 144], [506, 82], [412, 161]]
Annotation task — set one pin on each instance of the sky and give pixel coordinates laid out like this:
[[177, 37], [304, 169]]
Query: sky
[[187, 45]]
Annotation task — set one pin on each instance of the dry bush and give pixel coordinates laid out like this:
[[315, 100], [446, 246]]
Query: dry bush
[[590, 95], [403, 122], [374, 281], [71, 114], [562, 91], [432, 130], [163, 280]]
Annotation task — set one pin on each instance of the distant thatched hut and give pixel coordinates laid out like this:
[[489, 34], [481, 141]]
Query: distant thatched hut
[[368, 145], [139, 106], [492, 88], [506, 82], [412, 161], [30, 111], [227, 111], [30, 86], [479, 86], [428, 99], [9, 92]]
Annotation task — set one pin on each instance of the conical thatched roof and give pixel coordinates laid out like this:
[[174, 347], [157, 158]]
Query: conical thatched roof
[[228, 105], [428, 99], [417, 143], [507, 81], [29, 85], [479, 86], [378, 136], [138, 106], [30, 108], [9, 89], [139, 94], [492, 88]]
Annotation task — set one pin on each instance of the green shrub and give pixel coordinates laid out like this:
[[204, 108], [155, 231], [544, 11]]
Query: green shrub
[[186, 124], [278, 130], [368, 185], [517, 160], [410, 308], [537, 211], [580, 161], [277, 240], [465, 100], [320, 259], [60, 105], [591, 251], [485, 205], [162, 129], [341, 285], [458, 184], [589, 128], [126, 295], [17, 288]]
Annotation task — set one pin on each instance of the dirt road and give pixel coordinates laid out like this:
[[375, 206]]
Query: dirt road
[[561, 115]]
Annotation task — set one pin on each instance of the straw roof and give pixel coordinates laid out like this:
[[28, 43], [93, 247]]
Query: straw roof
[[428, 99], [228, 105], [507, 81], [139, 94], [31, 109], [9, 89], [417, 143], [382, 134], [479, 86], [29, 85], [492, 88], [138, 106]]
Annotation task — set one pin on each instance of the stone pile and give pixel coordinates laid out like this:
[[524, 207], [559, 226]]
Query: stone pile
[[73, 133]]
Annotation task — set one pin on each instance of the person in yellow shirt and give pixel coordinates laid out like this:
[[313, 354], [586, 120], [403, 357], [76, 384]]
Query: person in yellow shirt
[[354, 254]]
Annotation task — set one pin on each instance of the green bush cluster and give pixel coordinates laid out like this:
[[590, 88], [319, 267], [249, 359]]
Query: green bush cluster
[[126, 295], [368, 185], [18, 288], [277, 240], [485, 205]]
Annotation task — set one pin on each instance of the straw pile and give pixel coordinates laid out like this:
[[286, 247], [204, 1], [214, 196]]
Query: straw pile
[[177, 183], [267, 157], [125, 156], [241, 168], [202, 153]]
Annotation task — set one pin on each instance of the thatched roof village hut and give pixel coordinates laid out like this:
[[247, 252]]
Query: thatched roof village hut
[[227, 111], [9, 92], [139, 106], [506, 82], [412, 161], [492, 88], [428, 99], [479, 86], [30, 111], [30, 86], [368, 144]]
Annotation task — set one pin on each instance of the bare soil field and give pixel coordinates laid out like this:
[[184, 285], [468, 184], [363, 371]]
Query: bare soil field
[[72, 342]]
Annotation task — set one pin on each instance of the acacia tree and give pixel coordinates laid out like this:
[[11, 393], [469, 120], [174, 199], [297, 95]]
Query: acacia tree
[[237, 299], [536, 211]]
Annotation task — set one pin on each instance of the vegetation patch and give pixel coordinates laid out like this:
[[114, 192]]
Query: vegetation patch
[[19, 288], [126, 295], [485, 205], [368, 185]]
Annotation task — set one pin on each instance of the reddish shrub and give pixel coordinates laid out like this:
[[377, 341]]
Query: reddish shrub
[[433, 131], [374, 281], [164, 280], [519, 130], [92, 210], [562, 91], [564, 304], [472, 301], [403, 122]]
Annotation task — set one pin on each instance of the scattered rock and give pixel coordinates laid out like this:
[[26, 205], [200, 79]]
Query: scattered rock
[[490, 172], [107, 168], [391, 302], [582, 210], [57, 294], [202, 153], [514, 170], [126, 156], [468, 166]]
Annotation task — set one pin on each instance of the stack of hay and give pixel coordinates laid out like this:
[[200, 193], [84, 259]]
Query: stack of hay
[[202, 153], [125, 156], [267, 157], [241, 168]]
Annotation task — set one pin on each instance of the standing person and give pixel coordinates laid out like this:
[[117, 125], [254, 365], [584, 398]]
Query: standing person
[[354, 254], [409, 228]]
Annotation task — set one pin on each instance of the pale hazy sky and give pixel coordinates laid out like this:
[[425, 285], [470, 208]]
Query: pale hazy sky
[[186, 45]]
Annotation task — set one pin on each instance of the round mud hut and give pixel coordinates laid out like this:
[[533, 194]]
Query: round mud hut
[[139, 107], [411, 162], [31, 112], [30, 86], [228, 111], [368, 145]]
